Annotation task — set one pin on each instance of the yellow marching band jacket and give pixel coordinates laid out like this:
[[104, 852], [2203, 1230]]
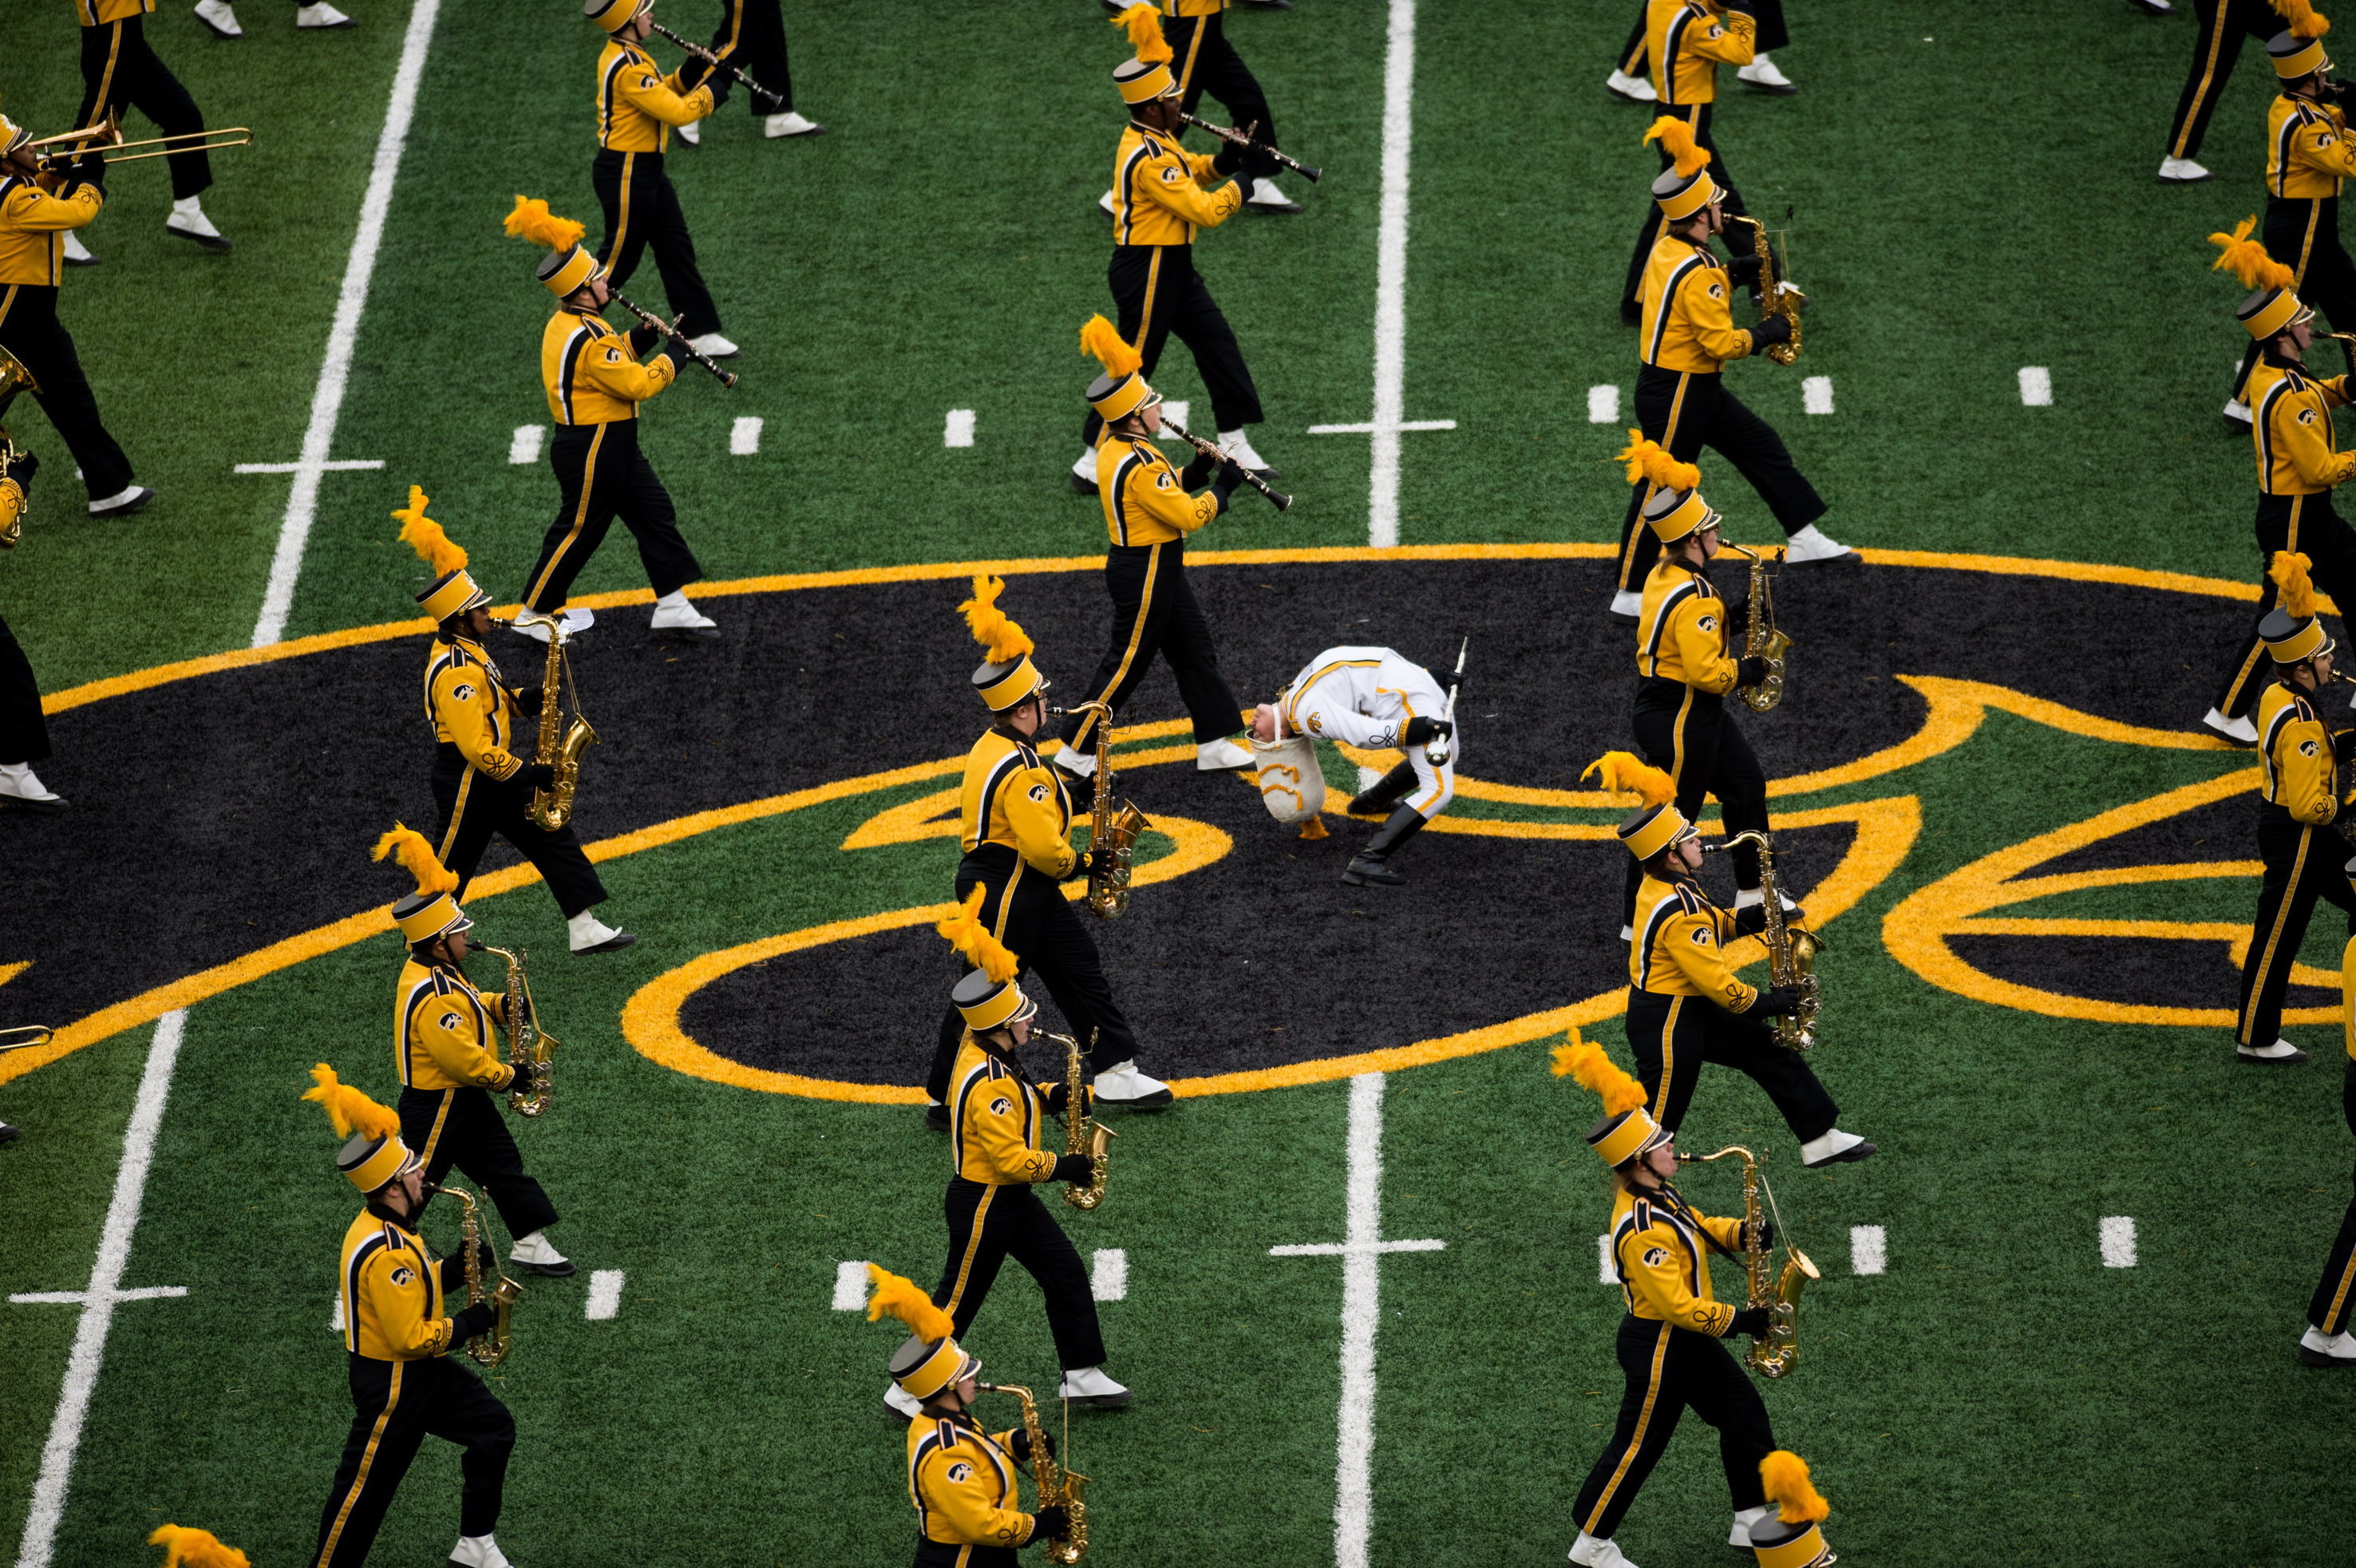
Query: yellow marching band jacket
[[995, 1119], [1013, 800], [392, 1293], [1690, 40], [1661, 1258], [33, 226], [470, 708], [638, 104], [1680, 946], [2290, 425], [441, 1031], [2295, 752], [593, 373], [961, 1479], [1681, 631], [1160, 191], [1688, 322], [2307, 152], [1144, 498]]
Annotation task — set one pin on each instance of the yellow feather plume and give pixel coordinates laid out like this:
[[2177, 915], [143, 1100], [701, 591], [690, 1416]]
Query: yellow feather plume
[[967, 934], [1677, 139], [532, 220], [1001, 638], [1599, 1074], [195, 1548], [2301, 15], [1786, 1475], [1624, 772], [1648, 458], [349, 1109], [2289, 572], [423, 534], [412, 850], [2247, 260], [1101, 338], [1142, 22], [898, 1295]]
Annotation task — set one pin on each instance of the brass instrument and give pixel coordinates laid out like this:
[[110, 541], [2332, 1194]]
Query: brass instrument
[[1112, 831], [553, 808], [14, 378], [716, 62], [1248, 137], [1212, 449], [109, 133], [1790, 951], [486, 1350], [1776, 298], [1774, 1355], [1765, 639], [24, 1037], [1082, 1134], [531, 1049], [1057, 1488], [670, 329]]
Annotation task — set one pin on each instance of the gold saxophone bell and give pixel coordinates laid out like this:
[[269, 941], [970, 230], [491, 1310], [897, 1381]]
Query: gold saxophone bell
[[1775, 1354], [1058, 1487], [486, 1350], [552, 808]]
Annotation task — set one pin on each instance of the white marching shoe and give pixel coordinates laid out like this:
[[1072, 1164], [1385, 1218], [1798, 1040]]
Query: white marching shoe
[[711, 345], [1627, 933], [2237, 413], [477, 1550], [122, 503], [1220, 756], [1130, 1090], [1761, 74], [1084, 472], [2240, 729], [1590, 1553], [328, 16], [1739, 1536], [691, 132], [20, 786], [217, 16], [1105, 201], [2182, 171], [899, 1401], [1809, 546], [590, 935], [1266, 196], [1836, 1147], [674, 613], [1080, 764], [1237, 445], [535, 1253], [1745, 897], [535, 623], [1634, 89], [77, 253], [2281, 1053], [777, 126], [1088, 1385], [189, 222], [2339, 1351]]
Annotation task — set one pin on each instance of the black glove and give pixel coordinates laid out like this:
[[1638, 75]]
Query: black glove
[[1229, 479], [1774, 1002], [1050, 1524], [692, 74], [1022, 1445], [1745, 270], [1766, 1234], [23, 470], [1751, 669], [1058, 1095], [1420, 730], [1750, 1320], [674, 349], [1198, 473], [528, 699], [642, 338], [1750, 919], [471, 1322], [1081, 864], [536, 775], [1075, 1167], [1228, 158], [1774, 329]]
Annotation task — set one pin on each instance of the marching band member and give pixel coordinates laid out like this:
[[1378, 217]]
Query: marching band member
[[752, 35], [995, 1161], [1688, 41], [406, 1383], [1669, 1344], [119, 72], [1017, 821], [637, 107], [1161, 195], [1369, 698], [480, 785], [1681, 397], [594, 385], [2299, 465], [446, 1053], [2215, 50], [2298, 802], [960, 1477], [24, 732], [1628, 78], [34, 225], [2326, 1341], [1196, 31], [1686, 1007], [2308, 156], [1149, 513]]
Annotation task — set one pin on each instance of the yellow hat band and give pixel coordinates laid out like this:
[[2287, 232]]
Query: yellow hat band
[[426, 923], [459, 593], [613, 15], [995, 1008], [1128, 395], [387, 1159], [1656, 833], [1143, 86], [935, 1371], [1683, 204], [1799, 1551], [2303, 644], [1628, 1137], [2303, 62], [577, 267], [1689, 516], [1012, 687], [2274, 317]]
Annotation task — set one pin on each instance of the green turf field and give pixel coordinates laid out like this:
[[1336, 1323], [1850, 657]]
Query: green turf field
[[1971, 193]]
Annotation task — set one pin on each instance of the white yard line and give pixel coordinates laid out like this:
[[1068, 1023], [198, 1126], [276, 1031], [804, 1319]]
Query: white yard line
[[744, 435], [1353, 1501], [2036, 386], [605, 1295], [1390, 277], [1816, 395], [2118, 1241], [1869, 1250], [850, 1285], [957, 429], [1108, 1275], [524, 446], [335, 371], [342, 465], [99, 1302], [1603, 405]]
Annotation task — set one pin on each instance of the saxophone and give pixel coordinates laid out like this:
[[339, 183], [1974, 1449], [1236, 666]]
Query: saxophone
[[1112, 829], [1764, 639], [1057, 1488], [531, 1049], [1775, 298], [553, 808], [1775, 1355], [486, 1350], [1084, 1134], [14, 378], [1790, 950]]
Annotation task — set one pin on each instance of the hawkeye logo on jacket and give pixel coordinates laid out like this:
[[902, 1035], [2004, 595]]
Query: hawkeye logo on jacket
[[2307, 748], [1316, 725], [960, 1472], [1040, 792], [1654, 1257], [1701, 938], [403, 1274], [1708, 623], [1002, 1106], [2307, 416], [463, 692]]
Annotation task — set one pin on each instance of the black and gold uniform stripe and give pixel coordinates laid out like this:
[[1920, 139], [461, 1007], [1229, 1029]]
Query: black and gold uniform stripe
[[1688, 43], [2216, 47], [752, 35], [961, 1483], [2309, 155], [33, 225], [2303, 856]]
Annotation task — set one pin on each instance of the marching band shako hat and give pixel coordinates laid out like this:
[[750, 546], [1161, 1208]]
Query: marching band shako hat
[[2291, 630], [1147, 77], [1121, 391], [1675, 509], [1659, 824], [1653, 829], [1792, 1536], [2273, 307], [930, 1360], [431, 910], [1007, 676], [1626, 1130], [1684, 188], [567, 266], [613, 15], [452, 592], [1671, 515], [2299, 52], [988, 998], [373, 1153], [2270, 313]]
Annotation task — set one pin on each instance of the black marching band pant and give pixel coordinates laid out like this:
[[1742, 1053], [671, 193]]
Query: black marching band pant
[[1689, 735], [1206, 62], [474, 807], [1767, 13], [752, 35], [2302, 864], [465, 1128], [642, 210], [602, 475], [24, 733], [396, 1405], [988, 1224], [1673, 1037], [2337, 1291], [2303, 234], [1027, 911], [1154, 612], [118, 71], [30, 330], [1157, 292], [2306, 525], [1737, 238], [2223, 25], [1685, 411], [1671, 1371]]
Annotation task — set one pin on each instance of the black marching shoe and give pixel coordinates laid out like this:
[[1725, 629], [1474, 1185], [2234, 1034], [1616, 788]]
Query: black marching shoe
[[7, 1134], [1371, 865], [1375, 799]]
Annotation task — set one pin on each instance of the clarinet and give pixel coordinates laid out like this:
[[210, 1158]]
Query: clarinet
[[716, 63], [671, 330], [1210, 449], [1245, 138]]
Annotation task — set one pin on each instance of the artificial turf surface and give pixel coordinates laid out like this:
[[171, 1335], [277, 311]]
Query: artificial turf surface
[[1958, 211]]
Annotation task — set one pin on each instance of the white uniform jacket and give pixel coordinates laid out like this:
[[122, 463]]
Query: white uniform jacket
[[1363, 698]]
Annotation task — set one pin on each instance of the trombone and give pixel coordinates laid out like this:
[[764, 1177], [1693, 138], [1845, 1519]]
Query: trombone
[[24, 1037], [110, 133]]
